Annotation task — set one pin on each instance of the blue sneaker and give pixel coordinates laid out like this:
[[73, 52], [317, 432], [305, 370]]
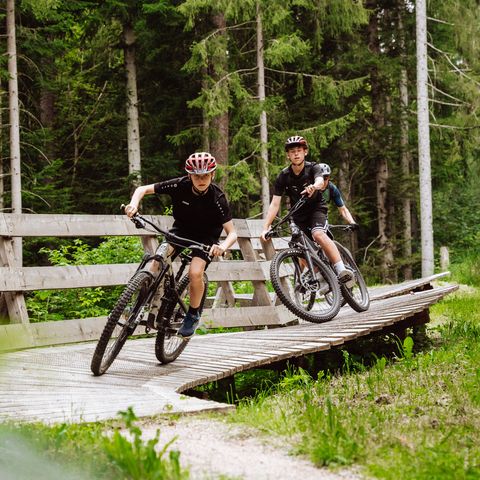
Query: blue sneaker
[[190, 324]]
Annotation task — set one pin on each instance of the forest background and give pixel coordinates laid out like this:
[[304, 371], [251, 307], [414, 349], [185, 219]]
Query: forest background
[[341, 73]]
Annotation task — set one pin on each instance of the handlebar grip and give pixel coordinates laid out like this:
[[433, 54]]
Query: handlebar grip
[[139, 223], [269, 234]]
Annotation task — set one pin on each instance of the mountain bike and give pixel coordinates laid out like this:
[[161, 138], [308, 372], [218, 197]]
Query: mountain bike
[[355, 292], [155, 297], [303, 281]]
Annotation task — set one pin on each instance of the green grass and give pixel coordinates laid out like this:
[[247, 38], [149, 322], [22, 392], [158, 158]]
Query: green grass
[[413, 417], [86, 452]]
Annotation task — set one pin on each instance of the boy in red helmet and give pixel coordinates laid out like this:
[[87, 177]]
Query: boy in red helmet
[[300, 178], [201, 211]]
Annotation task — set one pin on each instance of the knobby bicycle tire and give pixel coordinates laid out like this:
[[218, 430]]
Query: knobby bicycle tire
[[168, 346], [357, 296], [116, 331], [285, 284]]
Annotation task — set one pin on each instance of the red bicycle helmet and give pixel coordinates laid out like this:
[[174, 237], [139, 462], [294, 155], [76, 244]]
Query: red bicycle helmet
[[295, 141], [199, 163]]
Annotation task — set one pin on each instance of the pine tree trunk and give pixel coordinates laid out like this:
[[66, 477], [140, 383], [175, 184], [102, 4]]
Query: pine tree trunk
[[15, 164], [263, 116], [2, 183], [404, 147], [133, 129], [219, 125], [424, 141], [381, 162]]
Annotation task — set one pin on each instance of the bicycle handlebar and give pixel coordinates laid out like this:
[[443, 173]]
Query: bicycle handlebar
[[299, 204], [141, 222], [350, 227]]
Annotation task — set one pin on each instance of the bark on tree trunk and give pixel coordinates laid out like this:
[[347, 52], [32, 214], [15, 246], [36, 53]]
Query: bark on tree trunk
[[15, 165], [133, 129], [2, 175], [424, 141], [378, 113], [263, 116], [404, 148], [220, 124]]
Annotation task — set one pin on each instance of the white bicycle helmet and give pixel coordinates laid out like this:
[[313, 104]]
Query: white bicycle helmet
[[295, 141], [199, 163], [326, 169]]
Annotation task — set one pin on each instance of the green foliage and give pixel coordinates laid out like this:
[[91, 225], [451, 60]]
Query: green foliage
[[81, 451], [48, 305], [140, 460], [413, 417]]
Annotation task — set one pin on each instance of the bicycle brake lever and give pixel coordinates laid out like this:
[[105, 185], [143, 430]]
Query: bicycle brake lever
[[139, 223]]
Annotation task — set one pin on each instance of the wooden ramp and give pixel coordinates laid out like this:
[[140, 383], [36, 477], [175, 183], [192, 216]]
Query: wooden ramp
[[55, 384]]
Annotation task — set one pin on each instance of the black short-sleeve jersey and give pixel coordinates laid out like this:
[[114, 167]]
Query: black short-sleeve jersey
[[199, 217], [292, 185]]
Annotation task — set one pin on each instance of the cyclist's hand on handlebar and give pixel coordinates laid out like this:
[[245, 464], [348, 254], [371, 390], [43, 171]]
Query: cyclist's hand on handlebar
[[130, 210], [354, 226], [217, 250], [309, 190], [266, 234]]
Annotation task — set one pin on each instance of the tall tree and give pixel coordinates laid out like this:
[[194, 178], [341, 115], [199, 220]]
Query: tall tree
[[14, 115], [424, 140], [133, 128], [265, 195], [404, 144]]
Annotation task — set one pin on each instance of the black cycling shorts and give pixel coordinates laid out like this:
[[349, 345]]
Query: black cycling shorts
[[318, 221], [194, 252]]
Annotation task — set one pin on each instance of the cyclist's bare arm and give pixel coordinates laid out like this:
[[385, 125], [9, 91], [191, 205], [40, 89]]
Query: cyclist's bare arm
[[318, 184], [230, 239], [345, 213], [132, 208], [271, 214]]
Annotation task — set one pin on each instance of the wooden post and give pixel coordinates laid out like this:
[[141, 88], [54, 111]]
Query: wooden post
[[261, 296], [444, 259], [15, 301]]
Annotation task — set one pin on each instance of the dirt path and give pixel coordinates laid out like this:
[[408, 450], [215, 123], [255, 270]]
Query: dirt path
[[214, 449]]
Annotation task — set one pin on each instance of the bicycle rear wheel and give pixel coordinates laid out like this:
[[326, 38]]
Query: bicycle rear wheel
[[315, 298], [168, 345], [122, 321], [356, 296]]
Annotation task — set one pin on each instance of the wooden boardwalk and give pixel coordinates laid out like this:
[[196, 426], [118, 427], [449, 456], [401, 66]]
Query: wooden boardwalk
[[54, 384]]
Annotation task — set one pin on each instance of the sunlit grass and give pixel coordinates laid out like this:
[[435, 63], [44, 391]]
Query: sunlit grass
[[414, 417]]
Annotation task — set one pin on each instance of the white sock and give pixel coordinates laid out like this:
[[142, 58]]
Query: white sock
[[339, 266]]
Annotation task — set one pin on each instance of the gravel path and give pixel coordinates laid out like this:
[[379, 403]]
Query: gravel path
[[214, 449]]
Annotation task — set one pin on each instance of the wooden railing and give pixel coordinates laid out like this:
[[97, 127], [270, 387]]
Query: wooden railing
[[16, 280]]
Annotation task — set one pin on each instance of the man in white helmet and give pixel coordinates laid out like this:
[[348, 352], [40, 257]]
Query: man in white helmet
[[201, 211], [306, 178], [331, 193]]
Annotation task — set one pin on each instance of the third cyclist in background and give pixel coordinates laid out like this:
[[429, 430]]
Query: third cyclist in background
[[331, 193], [306, 178]]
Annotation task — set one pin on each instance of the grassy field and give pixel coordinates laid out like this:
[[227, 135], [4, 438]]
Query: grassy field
[[413, 417], [410, 415]]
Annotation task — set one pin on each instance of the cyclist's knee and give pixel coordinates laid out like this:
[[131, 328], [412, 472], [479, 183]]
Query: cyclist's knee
[[195, 273], [320, 237]]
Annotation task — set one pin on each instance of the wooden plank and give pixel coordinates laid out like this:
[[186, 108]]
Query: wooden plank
[[14, 279], [15, 301], [75, 225], [261, 295]]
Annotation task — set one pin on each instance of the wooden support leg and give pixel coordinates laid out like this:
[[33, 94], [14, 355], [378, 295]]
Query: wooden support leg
[[15, 301]]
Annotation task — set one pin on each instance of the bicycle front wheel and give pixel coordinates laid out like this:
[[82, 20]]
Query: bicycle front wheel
[[317, 298], [356, 295], [168, 345], [122, 321]]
